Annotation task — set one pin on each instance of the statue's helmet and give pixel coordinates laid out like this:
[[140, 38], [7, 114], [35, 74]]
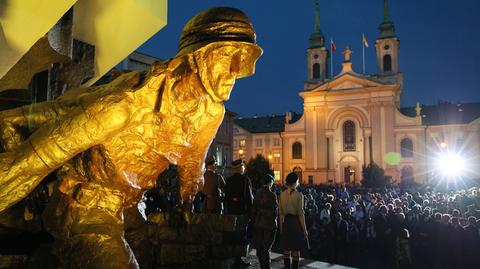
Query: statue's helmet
[[220, 25]]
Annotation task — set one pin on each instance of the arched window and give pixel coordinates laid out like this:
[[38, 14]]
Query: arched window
[[316, 71], [407, 174], [297, 150], [348, 136], [406, 148], [387, 63]]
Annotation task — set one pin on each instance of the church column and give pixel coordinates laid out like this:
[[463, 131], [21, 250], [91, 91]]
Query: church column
[[331, 162], [376, 133], [321, 135], [390, 143], [311, 153], [365, 147]]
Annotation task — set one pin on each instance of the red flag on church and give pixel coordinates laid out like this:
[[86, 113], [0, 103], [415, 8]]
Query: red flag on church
[[332, 45]]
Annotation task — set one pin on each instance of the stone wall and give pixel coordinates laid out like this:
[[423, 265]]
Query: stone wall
[[196, 240]]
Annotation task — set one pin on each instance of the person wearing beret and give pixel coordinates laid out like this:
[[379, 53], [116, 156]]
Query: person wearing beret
[[293, 231], [264, 218], [213, 188], [238, 200]]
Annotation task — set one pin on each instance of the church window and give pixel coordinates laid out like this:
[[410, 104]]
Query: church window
[[316, 71], [387, 63], [406, 148], [297, 150], [276, 142], [349, 136]]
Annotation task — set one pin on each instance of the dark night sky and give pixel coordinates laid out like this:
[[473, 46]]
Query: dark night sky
[[439, 51]]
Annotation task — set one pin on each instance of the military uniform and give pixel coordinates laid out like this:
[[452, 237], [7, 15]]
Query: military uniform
[[238, 201], [238, 195], [264, 217], [213, 191]]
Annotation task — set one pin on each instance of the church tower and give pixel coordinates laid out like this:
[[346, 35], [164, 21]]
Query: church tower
[[317, 54], [387, 46]]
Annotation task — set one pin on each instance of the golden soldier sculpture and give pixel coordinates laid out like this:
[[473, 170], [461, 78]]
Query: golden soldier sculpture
[[109, 143]]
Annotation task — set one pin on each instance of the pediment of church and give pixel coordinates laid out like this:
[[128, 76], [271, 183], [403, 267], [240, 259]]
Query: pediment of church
[[348, 81], [348, 85]]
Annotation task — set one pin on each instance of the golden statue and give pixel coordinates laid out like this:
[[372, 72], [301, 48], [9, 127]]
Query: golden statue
[[347, 53], [109, 143]]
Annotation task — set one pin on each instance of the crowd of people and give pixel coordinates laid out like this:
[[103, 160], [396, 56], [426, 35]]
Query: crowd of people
[[393, 227]]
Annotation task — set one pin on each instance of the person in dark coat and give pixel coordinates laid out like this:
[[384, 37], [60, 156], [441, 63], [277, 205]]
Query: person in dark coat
[[325, 239], [383, 232], [340, 228], [213, 188], [238, 191], [264, 217], [471, 244], [239, 200]]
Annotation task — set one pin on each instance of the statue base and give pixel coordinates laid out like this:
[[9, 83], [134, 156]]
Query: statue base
[[165, 240], [196, 240]]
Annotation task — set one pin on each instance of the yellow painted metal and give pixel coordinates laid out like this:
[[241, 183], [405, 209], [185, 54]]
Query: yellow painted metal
[[116, 28], [22, 23], [109, 143]]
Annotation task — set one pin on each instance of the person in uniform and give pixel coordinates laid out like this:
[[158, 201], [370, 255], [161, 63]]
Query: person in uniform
[[292, 222], [213, 188], [239, 200], [238, 191], [264, 217]]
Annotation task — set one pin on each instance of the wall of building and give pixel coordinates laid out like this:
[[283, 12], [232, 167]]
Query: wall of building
[[222, 145]]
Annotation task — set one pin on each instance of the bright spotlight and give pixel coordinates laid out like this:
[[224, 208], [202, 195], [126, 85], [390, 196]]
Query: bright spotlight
[[451, 165]]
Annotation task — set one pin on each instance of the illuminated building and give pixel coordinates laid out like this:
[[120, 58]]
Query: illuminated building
[[352, 119]]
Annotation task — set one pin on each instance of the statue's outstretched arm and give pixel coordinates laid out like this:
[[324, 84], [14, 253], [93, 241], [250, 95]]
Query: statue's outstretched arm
[[30, 117], [56, 142]]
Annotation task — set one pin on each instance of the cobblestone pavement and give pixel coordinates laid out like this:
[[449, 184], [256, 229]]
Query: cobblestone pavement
[[277, 263]]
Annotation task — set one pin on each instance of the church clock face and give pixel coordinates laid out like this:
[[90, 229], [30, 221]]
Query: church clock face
[[386, 47]]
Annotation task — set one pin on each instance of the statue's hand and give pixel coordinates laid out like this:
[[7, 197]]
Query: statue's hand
[[10, 134]]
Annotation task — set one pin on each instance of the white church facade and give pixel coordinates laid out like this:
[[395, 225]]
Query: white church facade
[[351, 120]]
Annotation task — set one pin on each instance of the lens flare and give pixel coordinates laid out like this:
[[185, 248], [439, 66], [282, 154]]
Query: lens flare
[[451, 165]]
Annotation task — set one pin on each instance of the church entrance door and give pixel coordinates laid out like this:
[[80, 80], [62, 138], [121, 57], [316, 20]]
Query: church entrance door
[[349, 174]]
